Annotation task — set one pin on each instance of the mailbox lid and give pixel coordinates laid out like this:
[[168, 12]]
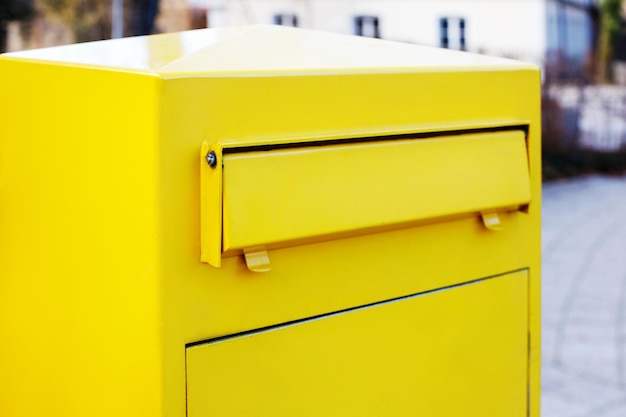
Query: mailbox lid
[[458, 351]]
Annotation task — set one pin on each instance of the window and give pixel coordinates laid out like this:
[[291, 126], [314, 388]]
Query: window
[[452, 33], [286, 20], [367, 26]]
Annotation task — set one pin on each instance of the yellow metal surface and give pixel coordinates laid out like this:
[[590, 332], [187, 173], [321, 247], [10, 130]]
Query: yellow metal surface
[[257, 259], [106, 196], [456, 352], [211, 205], [492, 221], [295, 194]]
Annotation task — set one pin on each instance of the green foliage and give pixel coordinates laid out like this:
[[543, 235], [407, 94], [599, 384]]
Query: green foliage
[[90, 20], [57, 5], [610, 25], [610, 11], [559, 163]]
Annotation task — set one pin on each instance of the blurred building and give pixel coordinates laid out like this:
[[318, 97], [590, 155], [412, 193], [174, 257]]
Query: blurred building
[[560, 35], [174, 16], [572, 30], [559, 32]]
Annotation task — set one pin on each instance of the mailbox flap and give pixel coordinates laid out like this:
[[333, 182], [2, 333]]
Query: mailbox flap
[[316, 192]]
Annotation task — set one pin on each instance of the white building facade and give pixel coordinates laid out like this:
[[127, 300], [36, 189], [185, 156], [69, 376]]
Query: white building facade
[[539, 31]]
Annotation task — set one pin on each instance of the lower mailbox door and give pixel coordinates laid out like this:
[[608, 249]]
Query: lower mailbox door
[[460, 351]]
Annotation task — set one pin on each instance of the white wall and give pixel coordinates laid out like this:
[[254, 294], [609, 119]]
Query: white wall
[[515, 28], [498, 27]]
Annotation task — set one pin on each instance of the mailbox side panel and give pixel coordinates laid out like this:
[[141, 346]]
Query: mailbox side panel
[[79, 295]]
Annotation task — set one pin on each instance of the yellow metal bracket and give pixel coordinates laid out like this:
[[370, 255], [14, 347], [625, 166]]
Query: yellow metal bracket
[[492, 221], [211, 204], [257, 259]]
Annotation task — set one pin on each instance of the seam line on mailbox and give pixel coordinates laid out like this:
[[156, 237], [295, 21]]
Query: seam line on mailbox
[[279, 326], [366, 139]]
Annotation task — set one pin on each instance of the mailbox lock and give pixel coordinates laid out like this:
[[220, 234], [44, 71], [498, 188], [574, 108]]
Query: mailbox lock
[[211, 159]]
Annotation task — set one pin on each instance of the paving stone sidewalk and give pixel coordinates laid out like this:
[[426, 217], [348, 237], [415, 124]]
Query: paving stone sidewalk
[[584, 298]]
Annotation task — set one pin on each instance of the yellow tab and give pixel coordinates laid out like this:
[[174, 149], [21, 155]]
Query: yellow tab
[[257, 259], [492, 221]]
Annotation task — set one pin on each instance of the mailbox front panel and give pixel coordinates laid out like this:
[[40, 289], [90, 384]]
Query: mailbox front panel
[[458, 351]]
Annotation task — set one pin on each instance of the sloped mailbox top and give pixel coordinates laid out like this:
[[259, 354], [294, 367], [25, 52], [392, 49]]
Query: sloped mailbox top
[[263, 50]]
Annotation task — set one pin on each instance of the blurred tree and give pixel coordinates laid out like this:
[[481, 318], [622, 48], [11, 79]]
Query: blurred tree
[[610, 25], [11, 10], [90, 20]]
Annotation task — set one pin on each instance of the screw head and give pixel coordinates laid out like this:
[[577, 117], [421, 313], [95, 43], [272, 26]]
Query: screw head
[[211, 159]]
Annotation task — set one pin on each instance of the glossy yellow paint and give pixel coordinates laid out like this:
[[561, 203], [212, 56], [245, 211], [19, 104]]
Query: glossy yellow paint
[[364, 361], [104, 281], [309, 192], [210, 206]]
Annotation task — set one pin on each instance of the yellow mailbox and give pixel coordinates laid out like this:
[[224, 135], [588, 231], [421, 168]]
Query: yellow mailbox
[[267, 221]]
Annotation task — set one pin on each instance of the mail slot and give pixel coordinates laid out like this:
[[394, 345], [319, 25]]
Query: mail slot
[[268, 221]]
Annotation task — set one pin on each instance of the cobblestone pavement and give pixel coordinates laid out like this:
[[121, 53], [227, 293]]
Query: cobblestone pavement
[[584, 298]]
